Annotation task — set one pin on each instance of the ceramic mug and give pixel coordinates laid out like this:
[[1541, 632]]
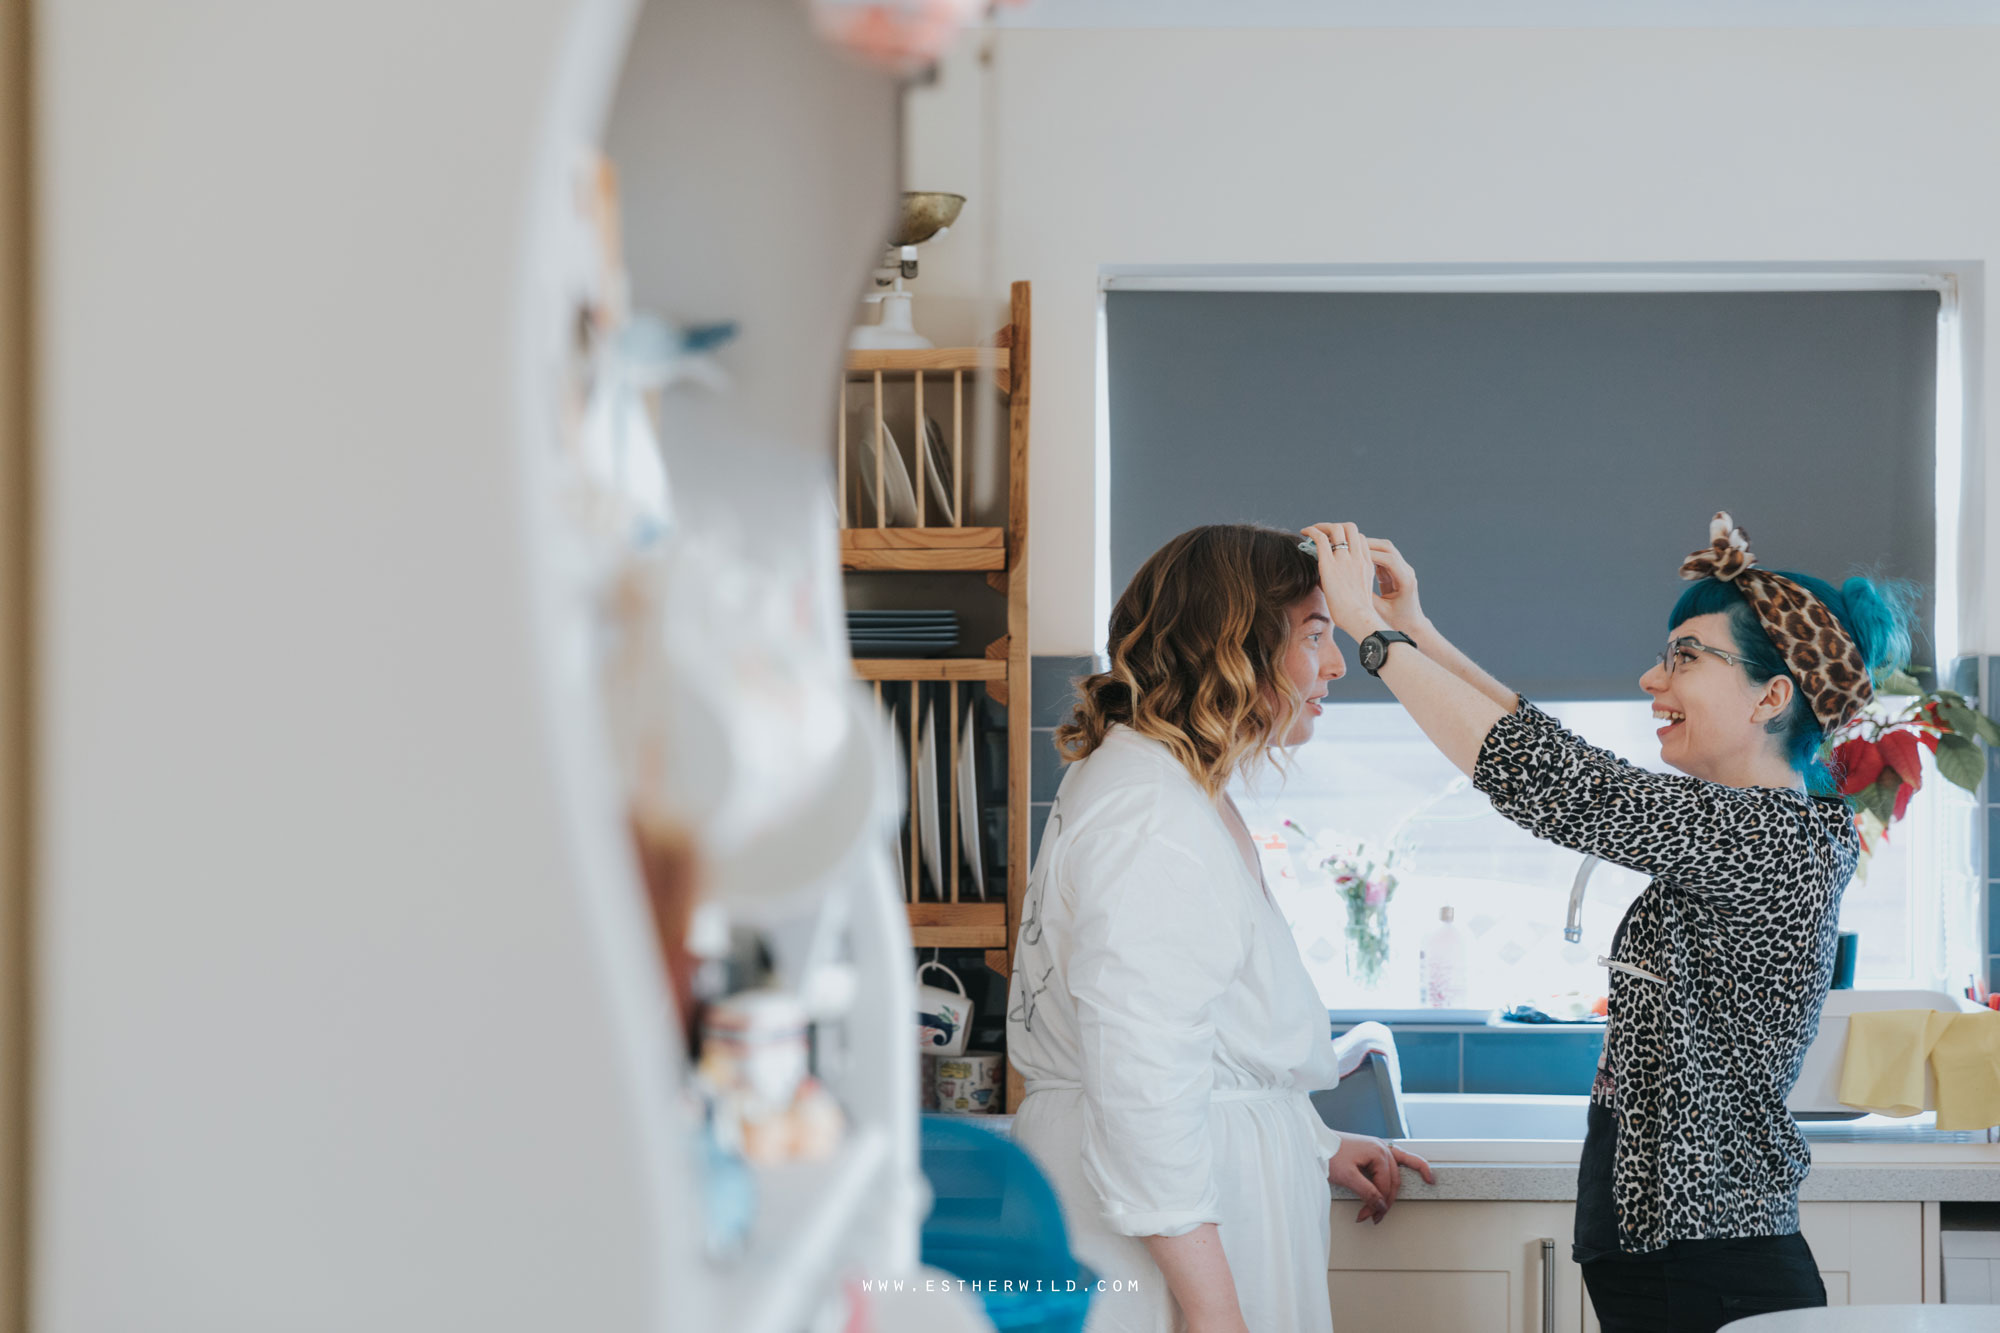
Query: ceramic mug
[[944, 1017], [969, 1084]]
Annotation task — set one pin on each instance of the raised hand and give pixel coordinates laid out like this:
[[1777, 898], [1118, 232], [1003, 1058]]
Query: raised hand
[[1396, 588], [1347, 577]]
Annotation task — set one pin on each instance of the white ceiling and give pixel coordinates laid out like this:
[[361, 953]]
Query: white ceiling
[[1499, 13]]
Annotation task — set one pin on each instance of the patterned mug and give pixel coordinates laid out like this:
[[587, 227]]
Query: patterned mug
[[969, 1084], [944, 1018]]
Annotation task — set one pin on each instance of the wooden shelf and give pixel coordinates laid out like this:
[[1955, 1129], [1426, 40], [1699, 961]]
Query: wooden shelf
[[958, 925], [930, 668], [934, 380], [913, 549], [904, 361]]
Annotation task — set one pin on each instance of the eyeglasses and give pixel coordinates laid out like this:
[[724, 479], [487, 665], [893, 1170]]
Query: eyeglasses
[[1682, 652]]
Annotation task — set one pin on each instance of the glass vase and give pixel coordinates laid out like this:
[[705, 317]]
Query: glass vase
[[1367, 943]]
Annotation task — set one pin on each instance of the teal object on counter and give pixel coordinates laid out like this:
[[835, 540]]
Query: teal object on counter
[[728, 1195], [995, 1220]]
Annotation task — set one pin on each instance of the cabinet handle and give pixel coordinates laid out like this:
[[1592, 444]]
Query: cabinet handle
[[1548, 1286]]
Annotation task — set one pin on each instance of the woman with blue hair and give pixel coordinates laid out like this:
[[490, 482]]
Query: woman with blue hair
[[1688, 1194]]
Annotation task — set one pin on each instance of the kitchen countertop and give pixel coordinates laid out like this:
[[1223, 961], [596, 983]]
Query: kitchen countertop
[[1830, 1182], [1872, 1159], [1863, 1161]]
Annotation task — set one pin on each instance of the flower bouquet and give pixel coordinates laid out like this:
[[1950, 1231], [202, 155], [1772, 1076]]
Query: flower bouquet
[[1366, 885], [1877, 759]]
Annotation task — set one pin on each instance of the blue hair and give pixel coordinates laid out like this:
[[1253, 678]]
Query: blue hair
[[1875, 613]]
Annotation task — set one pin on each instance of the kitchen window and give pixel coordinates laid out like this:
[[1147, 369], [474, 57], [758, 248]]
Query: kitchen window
[[1545, 448]]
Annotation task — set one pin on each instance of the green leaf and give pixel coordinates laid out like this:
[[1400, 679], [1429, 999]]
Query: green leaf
[[1960, 719], [1898, 682], [1880, 797], [1960, 761], [1988, 729], [1967, 721]]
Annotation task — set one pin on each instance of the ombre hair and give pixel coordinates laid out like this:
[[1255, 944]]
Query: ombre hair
[[1197, 645]]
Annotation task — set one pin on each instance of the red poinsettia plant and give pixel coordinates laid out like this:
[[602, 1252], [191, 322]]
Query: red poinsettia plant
[[1878, 758]]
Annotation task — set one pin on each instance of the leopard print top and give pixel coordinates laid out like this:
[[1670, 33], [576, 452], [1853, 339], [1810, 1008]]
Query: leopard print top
[[1740, 921]]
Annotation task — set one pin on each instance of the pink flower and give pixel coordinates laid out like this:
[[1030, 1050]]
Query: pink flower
[[902, 36], [1378, 892]]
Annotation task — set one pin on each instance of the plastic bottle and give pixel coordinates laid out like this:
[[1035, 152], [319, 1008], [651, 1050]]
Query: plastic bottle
[[1442, 963]]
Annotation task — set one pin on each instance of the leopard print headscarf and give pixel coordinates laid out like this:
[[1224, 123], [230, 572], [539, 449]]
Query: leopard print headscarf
[[1822, 656]]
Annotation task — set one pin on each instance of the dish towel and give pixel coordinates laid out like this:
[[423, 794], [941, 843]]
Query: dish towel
[[1883, 1069], [1966, 1060], [1354, 1045]]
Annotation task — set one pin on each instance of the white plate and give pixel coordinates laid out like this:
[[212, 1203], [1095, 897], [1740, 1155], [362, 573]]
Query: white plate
[[968, 810], [898, 495], [938, 465], [901, 839], [927, 802]]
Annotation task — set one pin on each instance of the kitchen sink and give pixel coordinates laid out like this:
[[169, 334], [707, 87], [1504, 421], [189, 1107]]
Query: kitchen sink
[[1439, 1116]]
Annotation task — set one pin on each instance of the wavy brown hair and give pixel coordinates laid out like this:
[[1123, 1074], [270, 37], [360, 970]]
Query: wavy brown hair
[[1197, 644]]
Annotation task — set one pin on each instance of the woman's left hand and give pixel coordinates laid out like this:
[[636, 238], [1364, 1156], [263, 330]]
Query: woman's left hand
[[1347, 577], [1372, 1170]]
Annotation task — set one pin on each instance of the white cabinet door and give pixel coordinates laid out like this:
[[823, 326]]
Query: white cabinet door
[[1868, 1253], [1454, 1267]]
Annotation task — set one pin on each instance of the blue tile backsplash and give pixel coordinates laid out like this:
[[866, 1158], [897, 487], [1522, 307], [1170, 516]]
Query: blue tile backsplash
[[1050, 685], [1429, 1060], [1561, 1063], [1964, 676], [1045, 767], [1548, 1061], [1992, 924]]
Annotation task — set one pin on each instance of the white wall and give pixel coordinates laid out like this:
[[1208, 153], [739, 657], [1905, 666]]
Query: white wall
[[325, 1033], [16, 334], [1493, 13], [1386, 146]]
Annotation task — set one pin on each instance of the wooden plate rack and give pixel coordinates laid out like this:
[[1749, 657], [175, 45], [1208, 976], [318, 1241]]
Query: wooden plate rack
[[949, 377]]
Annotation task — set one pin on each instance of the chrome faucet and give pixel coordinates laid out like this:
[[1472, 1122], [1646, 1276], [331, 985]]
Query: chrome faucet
[[1573, 929]]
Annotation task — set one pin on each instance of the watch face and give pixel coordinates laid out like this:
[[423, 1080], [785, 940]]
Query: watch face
[[1373, 650]]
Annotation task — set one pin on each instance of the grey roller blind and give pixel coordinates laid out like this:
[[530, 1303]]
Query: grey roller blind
[[1545, 460]]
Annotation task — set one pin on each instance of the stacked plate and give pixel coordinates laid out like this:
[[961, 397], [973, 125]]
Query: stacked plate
[[902, 633], [949, 785]]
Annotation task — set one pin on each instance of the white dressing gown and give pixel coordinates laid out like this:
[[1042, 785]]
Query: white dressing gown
[[1169, 1036]]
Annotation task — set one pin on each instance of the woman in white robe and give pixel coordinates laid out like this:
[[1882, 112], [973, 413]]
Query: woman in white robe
[[1159, 1012]]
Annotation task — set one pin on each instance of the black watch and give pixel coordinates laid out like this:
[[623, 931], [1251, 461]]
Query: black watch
[[1375, 649]]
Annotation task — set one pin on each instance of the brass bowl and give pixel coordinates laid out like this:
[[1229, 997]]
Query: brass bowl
[[925, 214]]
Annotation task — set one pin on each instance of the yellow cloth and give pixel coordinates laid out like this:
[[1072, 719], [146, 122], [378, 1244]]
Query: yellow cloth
[[1883, 1070], [1967, 1062]]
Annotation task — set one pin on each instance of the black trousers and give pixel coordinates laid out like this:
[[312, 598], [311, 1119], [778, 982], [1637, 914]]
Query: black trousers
[[1698, 1286]]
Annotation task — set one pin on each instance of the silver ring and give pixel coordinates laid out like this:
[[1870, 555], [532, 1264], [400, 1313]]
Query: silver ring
[[1340, 546]]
